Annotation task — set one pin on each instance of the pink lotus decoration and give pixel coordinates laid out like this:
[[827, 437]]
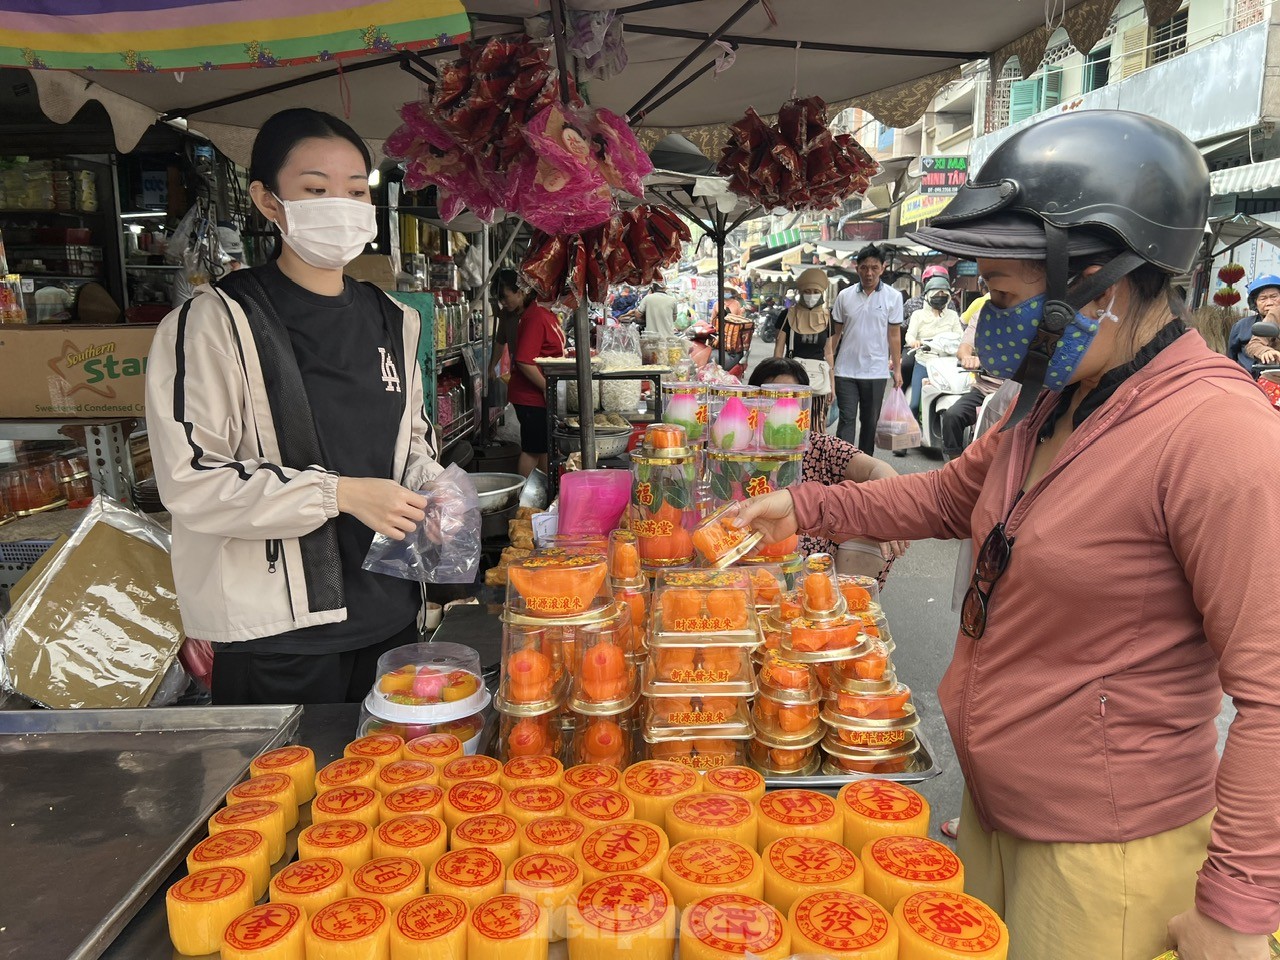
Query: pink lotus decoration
[[732, 429]]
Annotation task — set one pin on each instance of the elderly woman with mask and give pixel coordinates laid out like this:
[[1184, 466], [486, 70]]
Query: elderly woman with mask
[[804, 335]]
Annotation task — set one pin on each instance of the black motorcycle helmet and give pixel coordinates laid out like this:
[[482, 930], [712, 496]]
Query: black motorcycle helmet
[[1073, 185]]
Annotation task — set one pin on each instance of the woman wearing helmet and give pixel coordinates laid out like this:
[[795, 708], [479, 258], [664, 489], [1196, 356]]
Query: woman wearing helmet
[[1115, 595], [934, 319]]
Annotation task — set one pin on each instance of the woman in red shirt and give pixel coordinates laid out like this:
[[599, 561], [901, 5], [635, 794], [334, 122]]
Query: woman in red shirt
[[537, 335]]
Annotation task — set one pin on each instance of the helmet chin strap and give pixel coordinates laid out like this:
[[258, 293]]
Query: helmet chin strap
[[1060, 309]]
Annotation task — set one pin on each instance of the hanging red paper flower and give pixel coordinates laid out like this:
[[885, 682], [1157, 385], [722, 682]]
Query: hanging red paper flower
[[1226, 297], [1231, 273]]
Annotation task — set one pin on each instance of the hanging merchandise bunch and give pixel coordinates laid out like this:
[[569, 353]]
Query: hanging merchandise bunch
[[796, 163], [493, 135], [633, 247]]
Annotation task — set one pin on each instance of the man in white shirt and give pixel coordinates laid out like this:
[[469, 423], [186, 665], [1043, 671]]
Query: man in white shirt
[[868, 349], [658, 312]]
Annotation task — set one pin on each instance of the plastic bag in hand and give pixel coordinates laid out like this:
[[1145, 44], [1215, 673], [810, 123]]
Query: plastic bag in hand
[[896, 416], [445, 546]]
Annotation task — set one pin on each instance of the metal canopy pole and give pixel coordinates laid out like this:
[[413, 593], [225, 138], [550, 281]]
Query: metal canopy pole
[[720, 237], [678, 88], [401, 58], [582, 317], [706, 41]]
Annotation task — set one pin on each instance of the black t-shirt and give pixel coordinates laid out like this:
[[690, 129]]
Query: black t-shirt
[[356, 387], [803, 346]]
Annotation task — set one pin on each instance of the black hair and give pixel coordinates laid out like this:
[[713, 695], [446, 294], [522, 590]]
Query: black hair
[[285, 130], [870, 252], [771, 369], [505, 280]]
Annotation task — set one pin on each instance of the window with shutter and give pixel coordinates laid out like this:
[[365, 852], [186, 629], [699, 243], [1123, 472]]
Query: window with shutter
[[1097, 69], [1051, 88], [1133, 51], [1024, 98]]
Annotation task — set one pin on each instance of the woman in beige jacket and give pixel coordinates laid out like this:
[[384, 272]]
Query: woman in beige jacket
[[284, 407]]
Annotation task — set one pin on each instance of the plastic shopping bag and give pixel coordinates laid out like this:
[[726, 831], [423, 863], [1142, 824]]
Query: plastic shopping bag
[[895, 415], [445, 546]]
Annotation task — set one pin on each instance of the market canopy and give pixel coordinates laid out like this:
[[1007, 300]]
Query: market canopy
[[692, 65]]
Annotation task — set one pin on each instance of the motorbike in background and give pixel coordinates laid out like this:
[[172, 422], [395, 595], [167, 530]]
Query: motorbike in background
[[946, 381]]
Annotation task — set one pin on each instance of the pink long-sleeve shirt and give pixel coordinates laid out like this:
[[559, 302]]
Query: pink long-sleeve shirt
[[1143, 582]]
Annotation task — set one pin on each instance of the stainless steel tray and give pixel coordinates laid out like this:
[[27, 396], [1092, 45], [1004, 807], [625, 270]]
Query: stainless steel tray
[[925, 767], [99, 806]]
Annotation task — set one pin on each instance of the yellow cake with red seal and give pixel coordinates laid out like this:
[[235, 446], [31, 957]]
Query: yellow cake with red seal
[[897, 867], [946, 925], [843, 926], [201, 904], [725, 926], [272, 931], [508, 927], [433, 927], [698, 868], [310, 884], [795, 867], [881, 808], [622, 917]]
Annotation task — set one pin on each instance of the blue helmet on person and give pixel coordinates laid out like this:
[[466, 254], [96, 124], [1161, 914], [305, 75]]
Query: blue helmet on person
[[1264, 281]]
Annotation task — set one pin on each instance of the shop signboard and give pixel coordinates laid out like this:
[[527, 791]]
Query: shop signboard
[[917, 207], [943, 176]]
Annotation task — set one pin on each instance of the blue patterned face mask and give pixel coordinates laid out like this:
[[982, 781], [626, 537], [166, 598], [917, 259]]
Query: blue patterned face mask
[[1004, 337]]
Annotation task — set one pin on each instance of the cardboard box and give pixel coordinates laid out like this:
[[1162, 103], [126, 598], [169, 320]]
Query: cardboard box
[[898, 441], [375, 268], [69, 372]]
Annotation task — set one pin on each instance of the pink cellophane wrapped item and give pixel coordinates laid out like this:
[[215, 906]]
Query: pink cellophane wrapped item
[[568, 193]]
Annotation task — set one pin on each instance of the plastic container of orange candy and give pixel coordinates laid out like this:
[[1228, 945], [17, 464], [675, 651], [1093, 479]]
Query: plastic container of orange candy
[[665, 470], [768, 584], [604, 740], [605, 676], [885, 699], [557, 586], [786, 756], [873, 734], [859, 592], [721, 542], [823, 641], [701, 666], [697, 750], [711, 714], [789, 701], [819, 589], [623, 551], [842, 758], [872, 665], [534, 673], [522, 735], [702, 602]]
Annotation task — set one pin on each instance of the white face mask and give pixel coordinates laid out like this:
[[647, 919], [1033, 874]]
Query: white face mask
[[811, 300], [328, 232]]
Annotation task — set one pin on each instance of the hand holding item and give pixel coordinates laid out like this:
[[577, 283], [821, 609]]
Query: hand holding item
[[383, 506], [971, 362], [772, 514]]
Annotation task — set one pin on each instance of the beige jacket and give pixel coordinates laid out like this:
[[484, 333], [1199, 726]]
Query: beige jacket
[[238, 515]]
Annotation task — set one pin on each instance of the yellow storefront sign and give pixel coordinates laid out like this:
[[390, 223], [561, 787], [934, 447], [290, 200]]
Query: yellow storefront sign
[[916, 208]]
